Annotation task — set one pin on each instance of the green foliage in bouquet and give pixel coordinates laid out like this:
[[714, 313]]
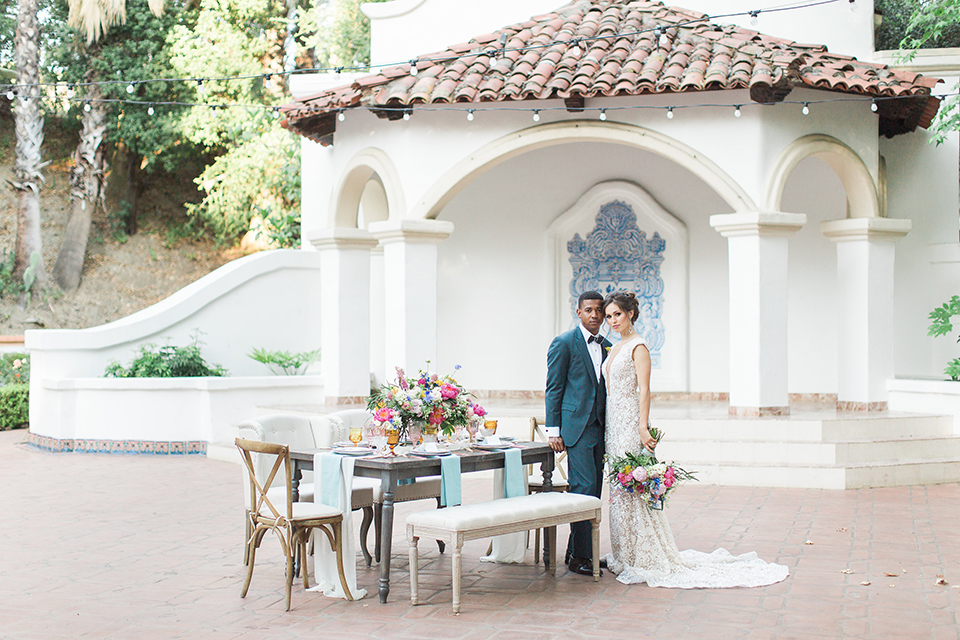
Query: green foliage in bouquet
[[167, 362], [285, 362], [642, 474]]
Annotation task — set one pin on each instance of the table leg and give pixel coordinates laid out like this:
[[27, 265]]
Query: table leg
[[297, 477], [389, 484], [547, 472]]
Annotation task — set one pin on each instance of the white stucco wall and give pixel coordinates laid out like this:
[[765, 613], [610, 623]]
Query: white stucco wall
[[269, 300]]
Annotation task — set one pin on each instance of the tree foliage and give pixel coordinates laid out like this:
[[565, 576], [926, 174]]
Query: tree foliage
[[338, 32], [899, 30], [928, 24]]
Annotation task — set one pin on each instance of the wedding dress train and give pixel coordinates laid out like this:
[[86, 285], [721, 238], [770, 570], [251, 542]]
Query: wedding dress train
[[643, 546]]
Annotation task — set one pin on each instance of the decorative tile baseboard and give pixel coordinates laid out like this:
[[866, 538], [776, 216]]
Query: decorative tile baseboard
[[68, 445], [849, 405], [758, 412]]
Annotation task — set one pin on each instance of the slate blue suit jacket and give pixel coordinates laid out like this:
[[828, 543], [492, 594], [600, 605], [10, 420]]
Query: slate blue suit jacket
[[572, 385]]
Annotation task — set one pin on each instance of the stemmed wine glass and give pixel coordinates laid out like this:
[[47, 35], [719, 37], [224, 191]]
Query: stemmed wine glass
[[472, 427], [393, 437]]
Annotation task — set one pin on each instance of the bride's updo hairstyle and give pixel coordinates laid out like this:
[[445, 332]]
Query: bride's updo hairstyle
[[626, 300]]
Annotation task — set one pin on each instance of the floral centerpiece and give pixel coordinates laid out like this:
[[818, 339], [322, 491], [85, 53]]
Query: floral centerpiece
[[641, 473], [438, 401]]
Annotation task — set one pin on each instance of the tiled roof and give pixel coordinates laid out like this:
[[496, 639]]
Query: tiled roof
[[592, 48]]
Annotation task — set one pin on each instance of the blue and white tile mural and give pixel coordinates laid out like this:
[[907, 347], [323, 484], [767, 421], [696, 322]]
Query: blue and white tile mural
[[617, 255]]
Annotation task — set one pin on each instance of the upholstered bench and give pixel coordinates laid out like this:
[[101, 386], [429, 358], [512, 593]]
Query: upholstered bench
[[456, 525]]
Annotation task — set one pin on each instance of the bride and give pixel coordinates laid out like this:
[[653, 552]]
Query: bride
[[643, 545]]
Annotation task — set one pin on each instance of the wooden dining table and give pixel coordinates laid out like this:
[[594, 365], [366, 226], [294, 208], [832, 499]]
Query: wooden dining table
[[391, 469]]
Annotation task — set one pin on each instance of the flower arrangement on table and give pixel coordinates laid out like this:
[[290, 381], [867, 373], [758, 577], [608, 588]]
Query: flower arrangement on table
[[641, 473], [439, 401]]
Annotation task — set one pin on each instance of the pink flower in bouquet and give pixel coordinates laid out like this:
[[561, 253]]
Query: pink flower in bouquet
[[623, 478], [383, 415], [402, 379], [659, 490], [669, 477], [436, 416], [639, 474], [478, 410], [448, 391]]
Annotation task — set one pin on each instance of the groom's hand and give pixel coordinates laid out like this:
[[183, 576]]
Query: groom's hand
[[557, 445]]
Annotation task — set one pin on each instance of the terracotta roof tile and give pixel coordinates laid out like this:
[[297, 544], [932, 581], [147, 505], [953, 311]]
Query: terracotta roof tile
[[609, 47]]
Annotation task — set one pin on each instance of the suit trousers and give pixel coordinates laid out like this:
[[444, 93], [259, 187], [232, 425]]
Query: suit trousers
[[585, 467]]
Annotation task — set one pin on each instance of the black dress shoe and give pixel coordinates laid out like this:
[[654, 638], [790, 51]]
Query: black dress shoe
[[566, 557], [582, 566], [603, 563]]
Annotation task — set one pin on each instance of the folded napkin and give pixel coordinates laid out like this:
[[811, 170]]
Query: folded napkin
[[450, 481], [333, 486], [511, 482]]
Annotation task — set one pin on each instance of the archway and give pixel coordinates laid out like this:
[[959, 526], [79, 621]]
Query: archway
[[861, 190], [369, 180]]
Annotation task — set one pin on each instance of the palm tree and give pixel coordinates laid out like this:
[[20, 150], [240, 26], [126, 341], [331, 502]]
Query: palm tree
[[87, 180], [29, 132]]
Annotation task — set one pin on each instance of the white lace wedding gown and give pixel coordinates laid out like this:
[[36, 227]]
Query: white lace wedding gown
[[643, 545]]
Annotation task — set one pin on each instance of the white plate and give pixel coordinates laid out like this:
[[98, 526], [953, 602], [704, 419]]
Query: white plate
[[353, 451], [493, 447], [430, 454], [349, 445]]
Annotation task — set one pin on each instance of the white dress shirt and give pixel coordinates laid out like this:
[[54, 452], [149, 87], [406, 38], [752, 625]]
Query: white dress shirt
[[595, 349]]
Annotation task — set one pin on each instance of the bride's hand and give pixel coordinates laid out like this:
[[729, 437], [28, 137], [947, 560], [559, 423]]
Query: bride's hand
[[648, 440]]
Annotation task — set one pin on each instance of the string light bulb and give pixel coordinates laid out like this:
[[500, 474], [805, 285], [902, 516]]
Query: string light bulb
[[406, 115], [470, 115], [150, 110], [131, 88], [200, 87], [736, 111], [86, 106], [341, 116], [413, 68], [873, 105], [11, 95], [536, 115], [853, 6], [806, 109], [69, 91], [276, 113], [603, 114], [754, 17], [669, 113], [575, 49]]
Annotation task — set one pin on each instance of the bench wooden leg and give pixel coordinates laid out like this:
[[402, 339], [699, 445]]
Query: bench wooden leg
[[596, 550], [457, 559], [414, 571], [550, 550]]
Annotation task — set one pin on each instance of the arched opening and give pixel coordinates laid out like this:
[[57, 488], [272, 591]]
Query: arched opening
[[498, 282], [370, 181], [859, 185]]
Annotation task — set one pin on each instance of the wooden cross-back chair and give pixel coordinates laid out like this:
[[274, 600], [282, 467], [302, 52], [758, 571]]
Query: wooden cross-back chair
[[292, 522], [559, 479]]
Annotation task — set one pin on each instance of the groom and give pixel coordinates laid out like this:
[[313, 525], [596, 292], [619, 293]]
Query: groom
[[576, 399]]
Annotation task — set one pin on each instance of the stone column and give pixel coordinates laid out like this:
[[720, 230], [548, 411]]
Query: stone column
[[410, 289], [344, 312], [865, 256], [757, 248]]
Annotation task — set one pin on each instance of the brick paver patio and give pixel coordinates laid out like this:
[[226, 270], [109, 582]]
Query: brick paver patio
[[98, 546]]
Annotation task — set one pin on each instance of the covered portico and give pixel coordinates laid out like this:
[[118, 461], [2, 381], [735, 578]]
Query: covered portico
[[443, 197]]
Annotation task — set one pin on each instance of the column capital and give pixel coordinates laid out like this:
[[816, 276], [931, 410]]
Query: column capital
[[341, 238], [851, 229], [419, 231], [757, 223]]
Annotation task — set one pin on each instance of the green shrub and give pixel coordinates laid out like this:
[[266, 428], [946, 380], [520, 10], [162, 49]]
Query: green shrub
[[166, 362], [14, 406], [14, 368]]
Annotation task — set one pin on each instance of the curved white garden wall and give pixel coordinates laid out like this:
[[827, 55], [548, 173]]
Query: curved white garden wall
[[269, 300]]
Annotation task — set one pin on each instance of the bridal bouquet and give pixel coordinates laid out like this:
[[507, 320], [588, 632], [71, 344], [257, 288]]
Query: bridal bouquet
[[643, 474], [439, 401]]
